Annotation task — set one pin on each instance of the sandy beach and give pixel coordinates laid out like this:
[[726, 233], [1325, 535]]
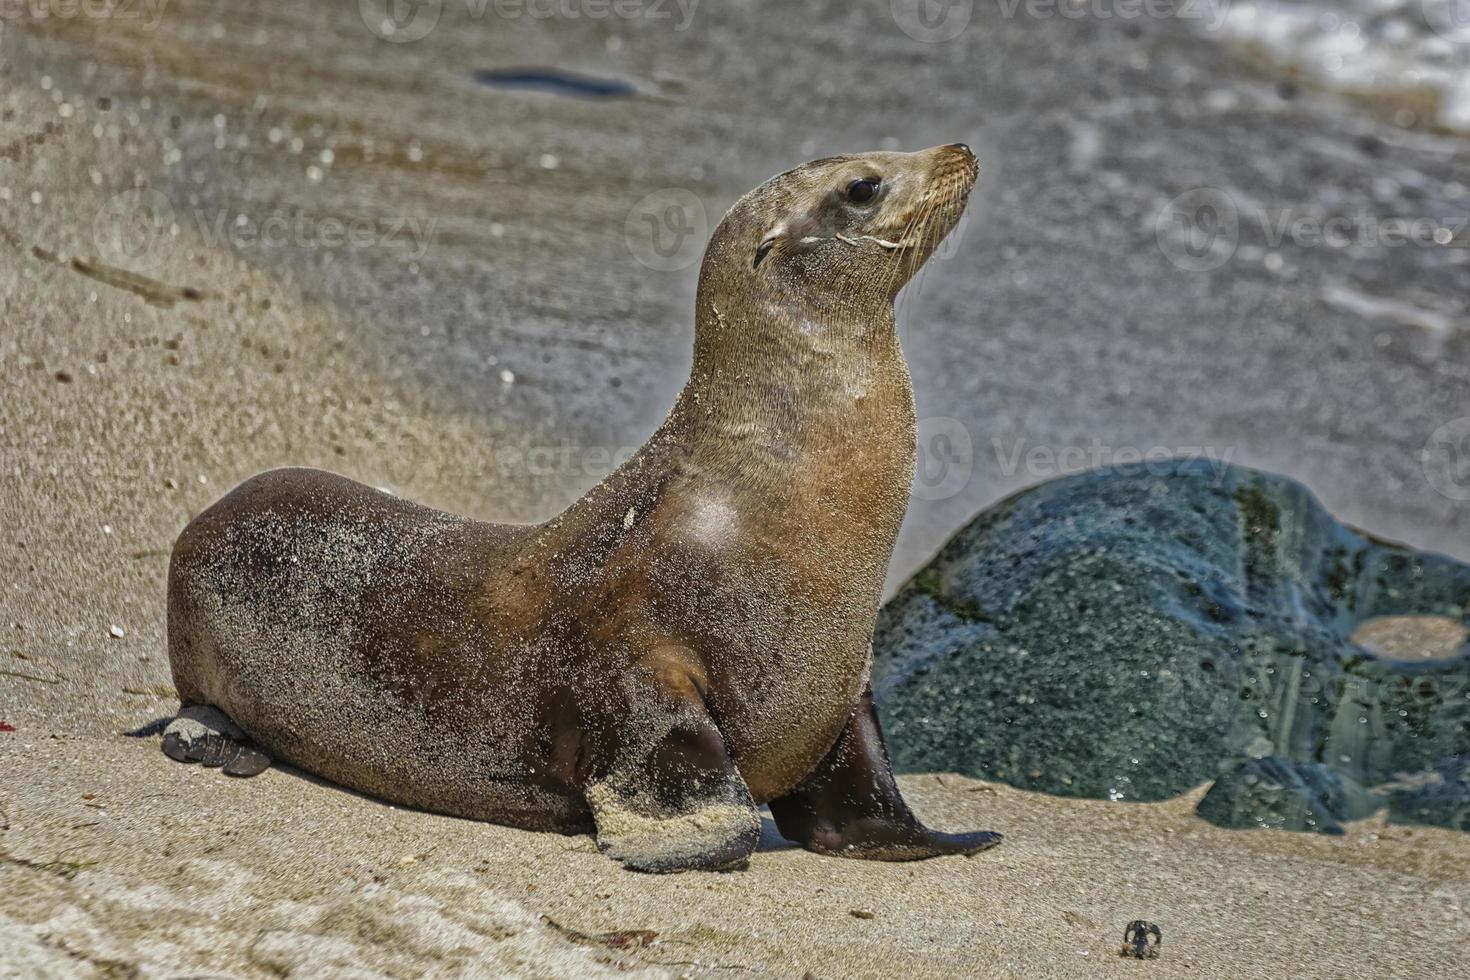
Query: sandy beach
[[142, 379]]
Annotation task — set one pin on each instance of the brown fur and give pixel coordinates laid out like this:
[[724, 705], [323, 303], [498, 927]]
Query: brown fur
[[736, 561]]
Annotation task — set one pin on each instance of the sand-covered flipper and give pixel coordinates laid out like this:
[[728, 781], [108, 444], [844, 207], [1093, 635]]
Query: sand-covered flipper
[[204, 734], [668, 797]]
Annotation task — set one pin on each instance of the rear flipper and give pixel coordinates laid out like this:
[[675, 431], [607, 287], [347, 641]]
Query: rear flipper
[[206, 735], [669, 798], [850, 805]]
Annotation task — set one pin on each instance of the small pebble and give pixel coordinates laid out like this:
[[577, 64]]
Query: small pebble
[[117, 631]]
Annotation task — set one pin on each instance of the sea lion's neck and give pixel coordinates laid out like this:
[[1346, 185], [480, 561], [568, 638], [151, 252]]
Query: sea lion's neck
[[788, 390], [790, 363]]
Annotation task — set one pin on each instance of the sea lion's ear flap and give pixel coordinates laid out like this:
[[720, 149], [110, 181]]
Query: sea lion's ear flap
[[768, 242]]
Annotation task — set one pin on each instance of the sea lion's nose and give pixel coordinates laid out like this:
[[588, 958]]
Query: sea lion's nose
[[962, 146]]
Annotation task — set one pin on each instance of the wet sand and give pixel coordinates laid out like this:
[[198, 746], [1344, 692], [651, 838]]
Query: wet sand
[[137, 391]]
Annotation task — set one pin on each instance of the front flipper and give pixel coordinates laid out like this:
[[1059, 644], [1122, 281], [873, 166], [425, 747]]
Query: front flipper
[[850, 805], [669, 798]]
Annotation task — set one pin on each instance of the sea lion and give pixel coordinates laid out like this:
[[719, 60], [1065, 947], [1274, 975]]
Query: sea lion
[[687, 641]]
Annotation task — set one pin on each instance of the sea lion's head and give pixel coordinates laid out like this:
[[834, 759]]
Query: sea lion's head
[[853, 228]]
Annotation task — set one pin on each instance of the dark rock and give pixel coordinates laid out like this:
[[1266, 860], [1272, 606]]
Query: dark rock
[[1134, 632], [1440, 797], [1274, 792]]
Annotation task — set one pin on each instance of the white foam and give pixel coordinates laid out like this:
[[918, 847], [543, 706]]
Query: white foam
[[1363, 46]]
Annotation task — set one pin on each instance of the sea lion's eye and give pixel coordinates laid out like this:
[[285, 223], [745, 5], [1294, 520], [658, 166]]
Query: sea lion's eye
[[862, 191]]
